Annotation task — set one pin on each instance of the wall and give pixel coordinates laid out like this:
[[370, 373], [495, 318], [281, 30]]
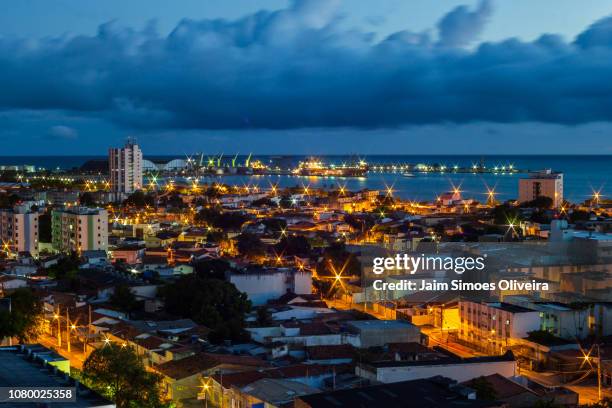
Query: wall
[[457, 372]]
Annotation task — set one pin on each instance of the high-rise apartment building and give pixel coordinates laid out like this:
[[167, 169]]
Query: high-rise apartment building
[[125, 167], [542, 184], [79, 229], [19, 230]]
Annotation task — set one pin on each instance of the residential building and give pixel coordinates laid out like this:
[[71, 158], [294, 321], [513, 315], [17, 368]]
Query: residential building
[[516, 395], [558, 319], [494, 326], [376, 333], [19, 230], [431, 392], [268, 284], [79, 229], [457, 369], [542, 184], [125, 168], [36, 366], [182, 379]]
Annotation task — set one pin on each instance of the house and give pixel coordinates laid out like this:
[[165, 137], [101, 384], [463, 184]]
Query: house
[[372, 333], [263, 285], [181, 379], [235, 389], [452, 367], [506, 390], [9, 283], [423, 393], [162, 239], [272, 393], [129, 255]]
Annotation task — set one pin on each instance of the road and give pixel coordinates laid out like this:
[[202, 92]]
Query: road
[[76, 355], [588, 391], [342, 305], [435, 339]]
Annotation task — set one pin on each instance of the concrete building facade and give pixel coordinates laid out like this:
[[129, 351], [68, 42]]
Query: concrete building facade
[[542, 184], [79, 229], [494, 326], [19, 230], [125, 168]]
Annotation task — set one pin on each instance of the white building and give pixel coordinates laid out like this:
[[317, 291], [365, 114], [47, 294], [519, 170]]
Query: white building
[[457, 369], [125, 168], [542, 184], [19, 230], [495, 326], [268, 284], [79, 229]]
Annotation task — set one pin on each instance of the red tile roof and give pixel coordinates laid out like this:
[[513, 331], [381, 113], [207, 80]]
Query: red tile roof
[[201, 362], [244, 378]]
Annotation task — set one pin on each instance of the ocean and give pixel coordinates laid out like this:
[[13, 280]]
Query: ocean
[[582, 174]]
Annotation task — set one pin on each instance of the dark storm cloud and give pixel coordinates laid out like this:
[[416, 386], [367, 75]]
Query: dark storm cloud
[[297, 67], [461, 26]]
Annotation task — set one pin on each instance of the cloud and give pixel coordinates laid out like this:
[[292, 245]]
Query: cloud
[[461, 26], [298, 68], [63, 132]]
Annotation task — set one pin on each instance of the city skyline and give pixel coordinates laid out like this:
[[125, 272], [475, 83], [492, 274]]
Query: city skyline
[[308, 77]]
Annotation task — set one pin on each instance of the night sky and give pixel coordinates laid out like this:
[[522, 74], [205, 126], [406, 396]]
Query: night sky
[[307, 76]]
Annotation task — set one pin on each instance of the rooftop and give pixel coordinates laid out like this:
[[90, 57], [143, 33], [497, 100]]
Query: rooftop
[[201, 362], [434, 392], [443, 361], [18, 371], [508, 307], [380, 324]]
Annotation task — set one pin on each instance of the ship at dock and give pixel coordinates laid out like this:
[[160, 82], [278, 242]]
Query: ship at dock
[[316, 168]]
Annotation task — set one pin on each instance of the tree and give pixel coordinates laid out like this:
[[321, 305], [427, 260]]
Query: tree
[[579, 215], [139, 199], [211, 268], [274, 224], [214, 303], [548, 403], [336, 259], [87, 199], [293, 245], [118, 373], [606, 402], [8, 200], [484, 389], [250, 245], [66, 268], [264, 201], [24, 321], [222, 219], [541, 202], [124, 299], [264, 317], [505, 214]]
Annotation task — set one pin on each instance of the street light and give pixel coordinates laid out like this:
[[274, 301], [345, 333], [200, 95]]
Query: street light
[[587, 359]]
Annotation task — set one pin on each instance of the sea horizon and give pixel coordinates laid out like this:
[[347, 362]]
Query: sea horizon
[[583, 174]]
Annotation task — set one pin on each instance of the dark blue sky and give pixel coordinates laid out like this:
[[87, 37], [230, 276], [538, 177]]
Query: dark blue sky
[[308, 76]]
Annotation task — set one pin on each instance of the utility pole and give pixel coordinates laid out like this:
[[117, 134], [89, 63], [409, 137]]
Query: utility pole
[[68, 329], [58, 316], [88, 330], [598, 374]]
